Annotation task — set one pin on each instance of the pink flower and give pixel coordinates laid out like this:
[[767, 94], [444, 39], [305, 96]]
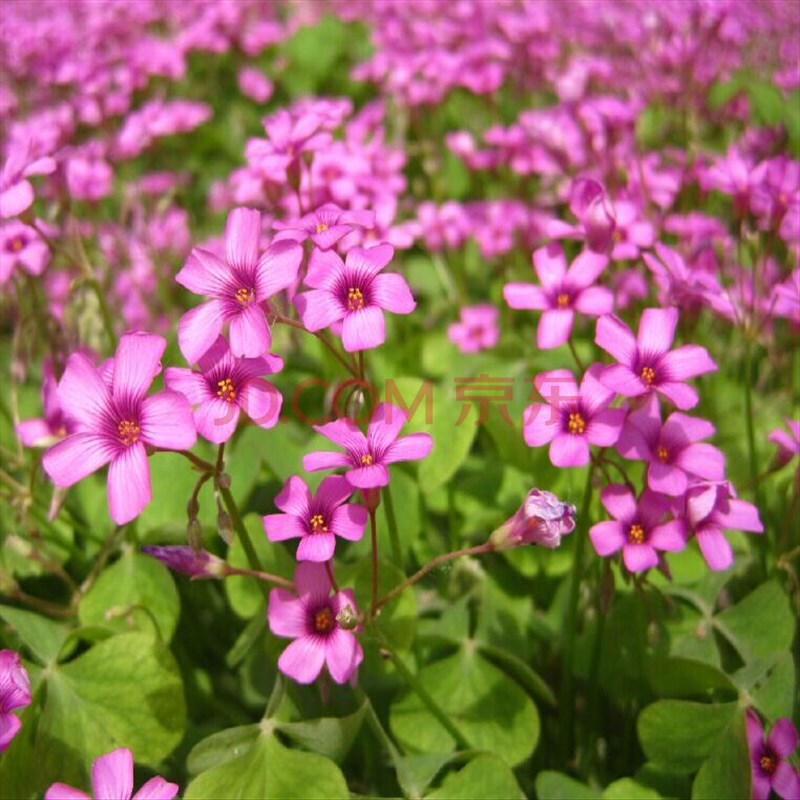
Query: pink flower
[[367, 457], [325, 226], [477, 329], [673, 450], [355, 292], [562, 292], [769, 761], [712, 508], [312, 619], [188, 561], [646, 362], [44, 432], [224, 387], [543, 519], [16, 192], [571, 419], [239, 287], [636, 528], [255, 84], [788, 443], [112, 779], [597, 222], [317, 520], [115, 421], [15, 692], [21, 247], [89, 178]]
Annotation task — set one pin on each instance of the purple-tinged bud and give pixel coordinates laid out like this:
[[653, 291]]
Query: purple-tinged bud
[[591, 205], [543, 519], [195, 563]]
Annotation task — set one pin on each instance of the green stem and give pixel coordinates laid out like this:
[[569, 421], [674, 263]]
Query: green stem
[[414, 684], [268, 577], [322, 338], [394, 538], [244, 536], [374, 534], [567, 697], [758, 541], [575, 355]]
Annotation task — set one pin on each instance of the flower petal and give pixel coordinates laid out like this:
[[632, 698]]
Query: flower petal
[[539, 425], [363, 329], [525, 296], [681, 395], [370, 260], [786, 781], [670, 536], [368, 477], [384, 427], [295, 498], [348, 521], [550, 265], [607, 537], [312, 582], [242, 238], [656, 331], [332, 492], [714, 546], [620, 379], [345, 433], [615, 337], [604, 428], [287, 614], [280, 527], [82, 393], [216, 419], [585, 269], [667, 479], [60, 791], [277, 268], [782, 739], [595, 301], [192, 385], [639, 557], [408, 448], [199, 328], [318, 308], [687, 362], [619, 501], [343, 654], [166, 421], [324, 459], [390, 291], [128, 484], [555, 326], [261, 401], [317, 547], [136, 362], [249, 332], [157, 789], [302, 660], [204, 274], [112, 775], [568, 450], [703, 460], [77, 456]]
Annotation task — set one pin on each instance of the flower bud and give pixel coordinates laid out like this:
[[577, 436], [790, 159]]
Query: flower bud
[[183, 559], [347, 618], [194, 533], [224, 480], [543, 519], [225, 527], [371, 498]]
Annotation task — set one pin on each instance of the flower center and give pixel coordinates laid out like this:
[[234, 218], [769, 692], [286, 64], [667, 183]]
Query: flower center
[[636, 534], [648, 375], [318, 524], [663, 454], [768, 763], [562, 300], [16, 244], [366, 459], [245, 296], [323, 621], [355, 299], [321, 227], [576, 423], [226, 390], [128, 432]]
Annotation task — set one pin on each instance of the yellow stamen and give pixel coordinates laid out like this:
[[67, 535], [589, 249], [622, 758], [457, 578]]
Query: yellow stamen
[[17, 243], [648, 375], [321, 227], [663, 454], [323, 620], [576, 423], [768, 763], [636, 534], [562, 300], [226, 390], [128, 432], [366, 459], [318, 524], [244, 296], [355, 299]]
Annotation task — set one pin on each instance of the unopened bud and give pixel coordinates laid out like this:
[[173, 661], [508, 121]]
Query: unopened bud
[[194, 533], [192, 508], [371, 498], [543, 519], [225, 527], [195, 563], [224, 480], [347, 618]]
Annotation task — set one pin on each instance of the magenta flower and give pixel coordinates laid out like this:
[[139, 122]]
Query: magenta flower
[[562, 292], [788, 443], [367, 457], [16, 192], [590, 203], [240, 288], [115, 421], [21, 248], [317, 520], [112, 779], [255, 84], [636, 528], [673, 450], [311, 618], [224, 387], [325, 226], [477, 329], [572, 419], [54, 425], [646, 362], [542, 519], [769, 760], [15, 692], [188, 561], [355, 292], [712, 508]]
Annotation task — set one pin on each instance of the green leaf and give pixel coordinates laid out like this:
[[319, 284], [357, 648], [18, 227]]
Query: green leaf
[[415, 773], [557, 786], [124, 692], [726, 773], [270, 770], [221, 747], [173, 479], [762, 624], [629, 789], [683, 677], [43, 637], [331, 737], [680, 734], [518, 669], [770, 683], [492, 711], [484, 776], [133, 580]]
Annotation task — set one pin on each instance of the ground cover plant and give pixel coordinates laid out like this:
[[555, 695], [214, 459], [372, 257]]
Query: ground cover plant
[[399, 398]]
